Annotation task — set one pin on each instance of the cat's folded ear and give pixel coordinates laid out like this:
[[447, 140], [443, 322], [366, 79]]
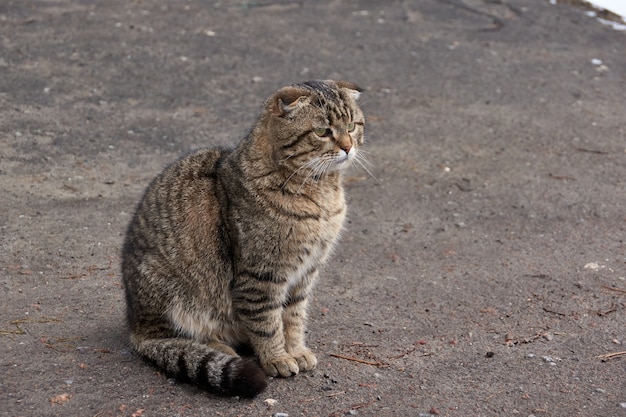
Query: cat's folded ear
[[288, 99], [353, 89]]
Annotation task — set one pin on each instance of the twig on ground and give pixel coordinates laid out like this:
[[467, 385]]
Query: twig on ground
[[601, 313], [354, 407], [42, 319], [608, 356], [401, 355], [596, 151], [554, 312], [100, 268], [493, 395], [614, 289], [18, 330], [348, 358], [90, 270]]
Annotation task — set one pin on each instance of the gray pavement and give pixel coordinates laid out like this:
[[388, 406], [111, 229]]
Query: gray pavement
[[481, 273]]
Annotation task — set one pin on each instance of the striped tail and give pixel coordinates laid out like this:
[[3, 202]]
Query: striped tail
[[213, 370]]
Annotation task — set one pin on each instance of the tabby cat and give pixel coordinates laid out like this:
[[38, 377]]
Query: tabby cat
[[225, 245]]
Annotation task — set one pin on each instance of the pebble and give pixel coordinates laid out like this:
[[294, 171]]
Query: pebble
[[280, 415], [623, 405]]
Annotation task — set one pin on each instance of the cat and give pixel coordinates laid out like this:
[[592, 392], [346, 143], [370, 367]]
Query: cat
[[225, 245]]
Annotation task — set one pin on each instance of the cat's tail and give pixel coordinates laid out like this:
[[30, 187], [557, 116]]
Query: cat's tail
[[211, 369]]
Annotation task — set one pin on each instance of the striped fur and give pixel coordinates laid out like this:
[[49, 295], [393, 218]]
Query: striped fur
[[226, 244]]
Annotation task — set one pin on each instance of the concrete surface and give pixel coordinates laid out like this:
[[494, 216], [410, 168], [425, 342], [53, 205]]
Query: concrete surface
[[481, 274]]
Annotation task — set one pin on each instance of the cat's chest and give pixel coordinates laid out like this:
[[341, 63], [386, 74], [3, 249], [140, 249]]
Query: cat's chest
[[308, 246]]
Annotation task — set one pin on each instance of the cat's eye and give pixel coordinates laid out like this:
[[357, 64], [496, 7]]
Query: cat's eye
[[351, 126], [321, 131]]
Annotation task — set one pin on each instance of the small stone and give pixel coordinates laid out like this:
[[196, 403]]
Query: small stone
[[594, 266], [600, 390], [489, 354], [548, 336], [351, 413], [280, 415], [270, 402], [623, 405]]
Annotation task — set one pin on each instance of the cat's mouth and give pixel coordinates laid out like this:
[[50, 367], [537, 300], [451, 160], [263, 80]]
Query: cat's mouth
[[344, 157], [342, 160]]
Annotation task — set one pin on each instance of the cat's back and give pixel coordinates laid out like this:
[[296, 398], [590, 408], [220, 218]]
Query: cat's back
[[179, 220]]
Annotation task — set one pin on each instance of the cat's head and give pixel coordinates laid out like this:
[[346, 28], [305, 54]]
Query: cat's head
[[317, 126]]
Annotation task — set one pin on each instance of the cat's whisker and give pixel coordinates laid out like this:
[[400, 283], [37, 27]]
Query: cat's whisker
[[362, 161], [309, 175], [325, 162], [305, 166], [362, 155], [322, 167], [313, 164]]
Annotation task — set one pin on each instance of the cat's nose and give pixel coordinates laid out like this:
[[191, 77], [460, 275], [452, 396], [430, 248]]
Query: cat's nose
[[346, 148]]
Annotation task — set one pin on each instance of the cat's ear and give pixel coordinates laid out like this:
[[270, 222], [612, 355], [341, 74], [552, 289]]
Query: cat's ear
[[353, 90], [288, 99]]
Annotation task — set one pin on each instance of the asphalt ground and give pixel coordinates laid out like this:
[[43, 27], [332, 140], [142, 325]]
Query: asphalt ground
[[482, 271]]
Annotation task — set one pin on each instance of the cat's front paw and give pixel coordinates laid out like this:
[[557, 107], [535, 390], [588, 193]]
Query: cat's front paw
[[284, 366], [305, 358]]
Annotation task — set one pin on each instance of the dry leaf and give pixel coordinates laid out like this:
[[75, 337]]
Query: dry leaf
[[60, 399]]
